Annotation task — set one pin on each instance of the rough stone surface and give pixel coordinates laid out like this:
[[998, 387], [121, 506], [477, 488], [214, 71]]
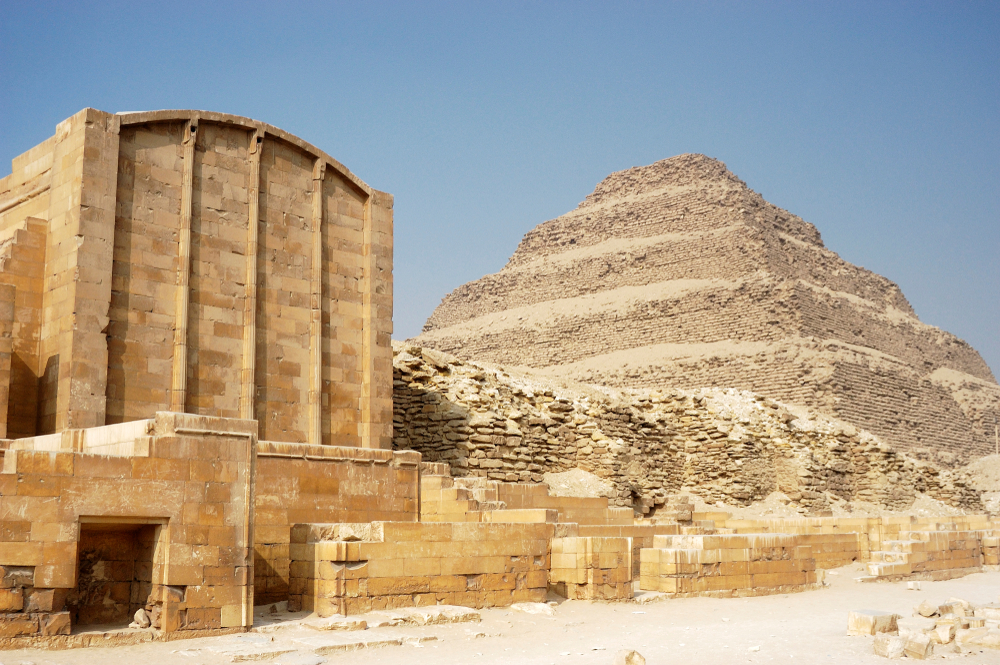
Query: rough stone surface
[[889, 646], [629, 657], [678, 275], [721, 445]]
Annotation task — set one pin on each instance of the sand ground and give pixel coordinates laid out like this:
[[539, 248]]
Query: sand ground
[[796, 628]]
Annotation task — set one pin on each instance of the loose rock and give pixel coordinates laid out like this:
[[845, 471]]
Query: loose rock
[[629, 657]]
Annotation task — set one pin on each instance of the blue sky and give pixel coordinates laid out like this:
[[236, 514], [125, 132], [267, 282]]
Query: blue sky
[[878, 122]]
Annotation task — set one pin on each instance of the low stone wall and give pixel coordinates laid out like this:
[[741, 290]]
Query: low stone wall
[[66, 511], [583, 511], [930, 555], [299, 483], [836, 541], [355, 568], [991, 550], [728, 565], [640, 535], [590, 568]]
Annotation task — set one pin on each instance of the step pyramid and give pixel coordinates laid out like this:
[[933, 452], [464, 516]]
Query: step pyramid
[[677, 275]]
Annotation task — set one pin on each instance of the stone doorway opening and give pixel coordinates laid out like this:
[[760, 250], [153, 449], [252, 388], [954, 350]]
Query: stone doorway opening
[[115, 570]]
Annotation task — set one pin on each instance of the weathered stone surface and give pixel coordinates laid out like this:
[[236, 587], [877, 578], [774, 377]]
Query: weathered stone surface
[[11, 600], [629, 657], [57, 623], [870, 622], [336, 623], [722, 445], [534, 608], [677, 275], [141, 619], [918, 646], [943, 632], [889, 646], [431, 615]]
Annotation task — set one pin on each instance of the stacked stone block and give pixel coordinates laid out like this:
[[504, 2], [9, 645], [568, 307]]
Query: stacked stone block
[[592, 568], [355, 568], [933, 555], [727, 565], [186, 480], [25, 610], [578, 510], [197, 262], [300, 482], [990, 545], [22, 263], [720, 445]]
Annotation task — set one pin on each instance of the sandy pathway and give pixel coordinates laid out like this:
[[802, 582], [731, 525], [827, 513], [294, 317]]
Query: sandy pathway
[[797, 628]]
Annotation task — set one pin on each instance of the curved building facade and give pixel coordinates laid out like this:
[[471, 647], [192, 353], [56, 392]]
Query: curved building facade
[[193, 262]]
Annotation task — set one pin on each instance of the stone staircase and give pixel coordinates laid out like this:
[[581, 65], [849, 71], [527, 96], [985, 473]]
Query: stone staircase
[[943, 554], [447, 499], [476, 499]]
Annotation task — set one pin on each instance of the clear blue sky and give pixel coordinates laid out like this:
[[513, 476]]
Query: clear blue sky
[[877, 122]]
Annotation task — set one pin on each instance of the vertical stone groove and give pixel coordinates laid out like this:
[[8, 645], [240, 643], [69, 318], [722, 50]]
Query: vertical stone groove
[[316, 303], [368, 340], [248, 387], [178, 383]]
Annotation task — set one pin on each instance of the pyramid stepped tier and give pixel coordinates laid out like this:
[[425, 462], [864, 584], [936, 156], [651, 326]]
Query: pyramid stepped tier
[[678, 275]]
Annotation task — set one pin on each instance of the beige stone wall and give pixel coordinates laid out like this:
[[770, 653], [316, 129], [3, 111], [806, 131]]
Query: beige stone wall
[[189, 476], [22, 265], [721, 445], [144, 274], [356, 568], [296, 483], [198, 262]]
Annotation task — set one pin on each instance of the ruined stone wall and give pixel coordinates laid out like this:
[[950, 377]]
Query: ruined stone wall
[[197, 262], [720, 445]]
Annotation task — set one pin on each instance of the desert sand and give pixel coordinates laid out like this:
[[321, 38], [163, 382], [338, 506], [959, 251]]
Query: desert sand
[[798, 628]]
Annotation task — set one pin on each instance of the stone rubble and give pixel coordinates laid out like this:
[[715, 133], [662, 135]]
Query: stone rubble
[[724, 446], [955, 626]]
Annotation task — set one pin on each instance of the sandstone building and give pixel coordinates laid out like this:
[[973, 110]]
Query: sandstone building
[[676, 275], [194, 262], [191, 303]]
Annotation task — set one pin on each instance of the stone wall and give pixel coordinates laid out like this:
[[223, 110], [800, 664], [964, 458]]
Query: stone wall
[[296, 483], [356, 568], [721, 445], [177, 488]]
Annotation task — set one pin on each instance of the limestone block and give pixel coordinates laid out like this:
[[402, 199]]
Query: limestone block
[[871, 622], [943, 632], [918, 646], [57, 623], [11, 600], [18, 624], [925, 609], [889, 646]]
